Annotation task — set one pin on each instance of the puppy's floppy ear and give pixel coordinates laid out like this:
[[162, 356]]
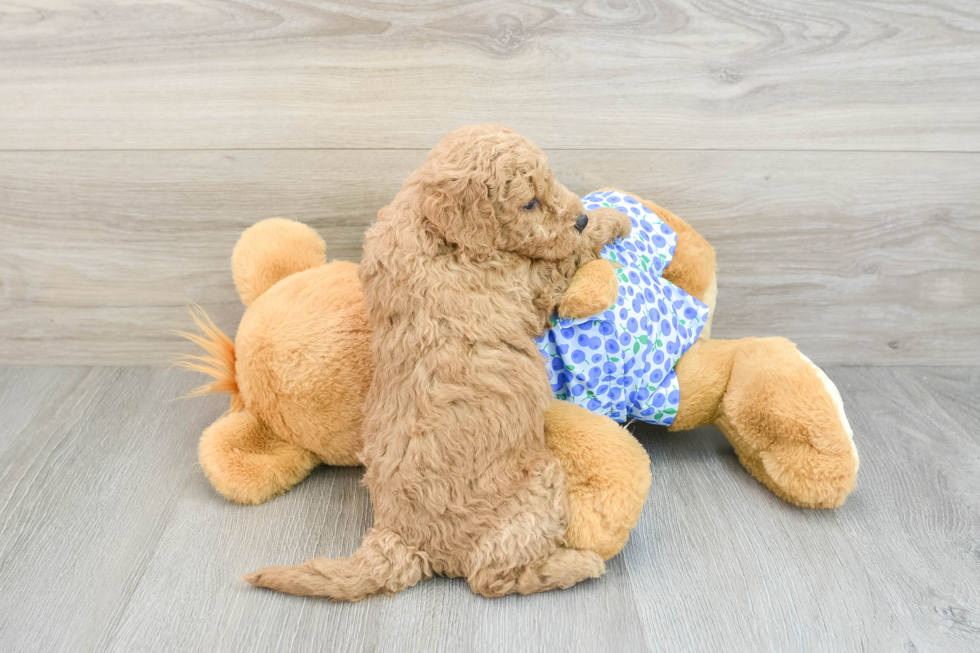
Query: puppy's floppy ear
[[461, 210]]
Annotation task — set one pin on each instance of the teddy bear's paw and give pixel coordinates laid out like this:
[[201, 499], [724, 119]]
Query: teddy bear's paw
[[820, 470], [247, 463], [802, 475], [593, 290], [785, 418]]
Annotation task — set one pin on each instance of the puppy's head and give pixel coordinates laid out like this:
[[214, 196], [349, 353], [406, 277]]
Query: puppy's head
[[486, 189]]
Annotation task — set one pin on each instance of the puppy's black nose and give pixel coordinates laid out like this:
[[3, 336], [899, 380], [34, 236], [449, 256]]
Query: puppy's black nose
[[581, 223]]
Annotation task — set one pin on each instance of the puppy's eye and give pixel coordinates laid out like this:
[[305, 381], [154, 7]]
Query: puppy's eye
[[530, 206]]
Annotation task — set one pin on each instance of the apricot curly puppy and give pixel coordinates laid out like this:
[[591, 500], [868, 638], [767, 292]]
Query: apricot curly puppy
[[459, 274]]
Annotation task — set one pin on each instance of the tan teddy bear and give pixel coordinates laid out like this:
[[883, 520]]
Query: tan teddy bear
[[300, 366]]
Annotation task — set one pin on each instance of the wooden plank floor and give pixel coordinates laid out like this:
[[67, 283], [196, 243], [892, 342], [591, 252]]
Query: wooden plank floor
[[112, 539]]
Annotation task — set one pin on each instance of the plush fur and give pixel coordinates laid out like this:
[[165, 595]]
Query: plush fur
[[604, 484], [592, 290], [297, 372], [264, 256], [779, 411]]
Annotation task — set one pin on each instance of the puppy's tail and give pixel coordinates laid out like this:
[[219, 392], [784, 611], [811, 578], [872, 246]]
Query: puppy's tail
[[383, 565], [219, 363]]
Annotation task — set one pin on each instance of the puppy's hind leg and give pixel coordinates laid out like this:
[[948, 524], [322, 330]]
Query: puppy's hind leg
[[524, 554], [562, 569]]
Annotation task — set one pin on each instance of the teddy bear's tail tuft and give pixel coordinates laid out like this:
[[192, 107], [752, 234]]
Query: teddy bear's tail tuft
[[219, 363]]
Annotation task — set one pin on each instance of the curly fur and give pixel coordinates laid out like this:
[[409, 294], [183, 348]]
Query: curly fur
[[459, 275]]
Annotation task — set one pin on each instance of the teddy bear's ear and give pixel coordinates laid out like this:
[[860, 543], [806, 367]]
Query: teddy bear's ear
[[462, 212]]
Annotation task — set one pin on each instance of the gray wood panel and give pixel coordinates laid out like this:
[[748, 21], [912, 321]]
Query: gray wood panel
[[860, 257], [112, 539], [808, 74], [92, 462]]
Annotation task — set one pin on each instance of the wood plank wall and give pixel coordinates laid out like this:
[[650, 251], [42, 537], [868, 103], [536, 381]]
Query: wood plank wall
[[830, 150]]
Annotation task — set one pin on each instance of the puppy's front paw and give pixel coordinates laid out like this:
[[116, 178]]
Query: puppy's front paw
[[611, 224], [623, 225]]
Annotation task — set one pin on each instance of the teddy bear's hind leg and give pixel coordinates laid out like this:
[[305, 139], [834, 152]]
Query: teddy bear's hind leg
[[247, 462], [781, 413], [781, 396], [607, 473]]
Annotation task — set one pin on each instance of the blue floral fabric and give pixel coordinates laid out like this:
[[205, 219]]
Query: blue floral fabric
[[621, 363]]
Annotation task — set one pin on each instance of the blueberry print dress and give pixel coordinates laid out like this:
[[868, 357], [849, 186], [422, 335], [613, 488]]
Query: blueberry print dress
[[621, 363]]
